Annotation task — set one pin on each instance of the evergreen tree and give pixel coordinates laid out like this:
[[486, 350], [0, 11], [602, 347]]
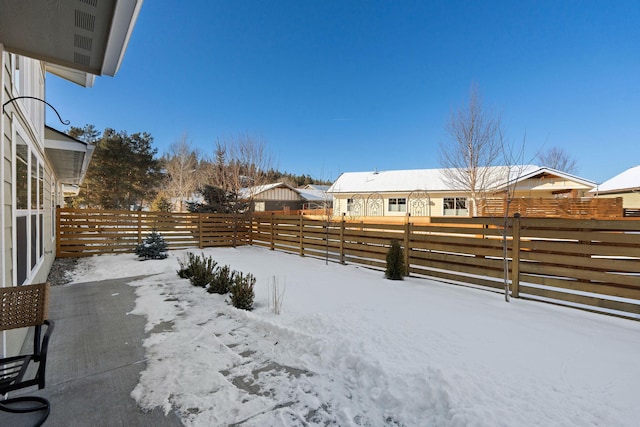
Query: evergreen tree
[[161, 204], [216, 200], [123, 173], [395, 262], [153, 247]]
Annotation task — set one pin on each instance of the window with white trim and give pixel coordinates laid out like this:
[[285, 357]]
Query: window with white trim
[[29, 188], [455, 206], [398, 204]]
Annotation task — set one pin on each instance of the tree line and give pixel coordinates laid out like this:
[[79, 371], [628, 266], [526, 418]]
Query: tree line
[[126, 172]]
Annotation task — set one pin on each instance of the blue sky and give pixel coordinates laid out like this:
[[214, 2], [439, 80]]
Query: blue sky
[[342, 86]]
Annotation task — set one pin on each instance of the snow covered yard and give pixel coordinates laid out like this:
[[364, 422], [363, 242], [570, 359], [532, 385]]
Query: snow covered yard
[[353, 349]]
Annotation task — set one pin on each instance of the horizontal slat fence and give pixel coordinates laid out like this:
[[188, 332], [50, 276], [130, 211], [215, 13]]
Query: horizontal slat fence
[[589, 264], [87, 232], [600, 208]]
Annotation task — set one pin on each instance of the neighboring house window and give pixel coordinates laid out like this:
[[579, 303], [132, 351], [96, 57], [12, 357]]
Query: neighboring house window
[[398, 204], [456, 206], [29, 187], [349, 205]]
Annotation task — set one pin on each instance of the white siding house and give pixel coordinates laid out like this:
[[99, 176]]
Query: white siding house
[[625, 185], [76, 40], [428, 192]]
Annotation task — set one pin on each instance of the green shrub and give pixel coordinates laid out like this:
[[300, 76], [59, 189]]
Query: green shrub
[[202, 270], [242, 292], [186, 262], [153, 247], [395, 262], [222, 280]]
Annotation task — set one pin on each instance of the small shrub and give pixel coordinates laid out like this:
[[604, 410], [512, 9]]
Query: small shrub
[[395, 262], [202, 271], [186, 263], [242, 293], [222, 280], [153, 247], [161, 204]]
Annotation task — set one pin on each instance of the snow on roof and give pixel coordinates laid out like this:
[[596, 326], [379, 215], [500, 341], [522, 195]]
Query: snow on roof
[[248, 192], [315, 187], [313, 194], [434, 179], [627, 180], [307, 194]]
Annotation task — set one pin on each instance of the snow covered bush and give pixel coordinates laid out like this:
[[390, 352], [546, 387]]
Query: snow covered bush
[[201, 270], [395, 262], [222, 280], [242, 292], [186, 263], [153, 247]]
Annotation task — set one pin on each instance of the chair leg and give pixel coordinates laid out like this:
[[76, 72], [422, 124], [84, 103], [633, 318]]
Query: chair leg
[[15, 406]]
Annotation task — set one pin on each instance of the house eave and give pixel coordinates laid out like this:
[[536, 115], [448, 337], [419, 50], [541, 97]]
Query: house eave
[[89, 36], [68, 156]]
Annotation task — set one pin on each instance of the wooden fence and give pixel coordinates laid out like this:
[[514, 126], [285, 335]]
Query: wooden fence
[[87, 232], [589, 264], [587, 208]]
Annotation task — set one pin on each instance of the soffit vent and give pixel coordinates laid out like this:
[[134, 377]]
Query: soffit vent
[[85, 21], [81, 59], [82, 42], [93, 3]]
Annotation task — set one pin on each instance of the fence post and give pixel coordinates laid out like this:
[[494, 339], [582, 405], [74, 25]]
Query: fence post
[[301, 236], [272, 244], [342, 239], [407, 232], [515, 256], [58, 237], [200, 245], [139, 227]]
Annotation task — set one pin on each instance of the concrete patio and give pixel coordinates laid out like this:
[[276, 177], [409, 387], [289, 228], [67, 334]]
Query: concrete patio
[[95, 359]]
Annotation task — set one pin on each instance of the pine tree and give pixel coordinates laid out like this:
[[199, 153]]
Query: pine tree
[[123, 173], [395, 262], [242, 292], [153, 247], [161, 204]]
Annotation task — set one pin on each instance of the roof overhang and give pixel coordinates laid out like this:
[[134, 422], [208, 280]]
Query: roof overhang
[[81, 36], [68, 156]]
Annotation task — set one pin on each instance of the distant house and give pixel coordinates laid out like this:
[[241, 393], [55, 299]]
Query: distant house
[[625, 185], [316, 196], [283, 197], [427, 192]]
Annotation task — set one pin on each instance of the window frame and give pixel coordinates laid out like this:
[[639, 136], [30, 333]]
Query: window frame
[[28, 208], [397, 204], [455, 206]]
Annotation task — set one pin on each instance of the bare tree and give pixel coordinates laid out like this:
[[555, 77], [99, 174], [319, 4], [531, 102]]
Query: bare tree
[[514, 170], [181, 165], [557, 158], [474, 145], [240, 167]]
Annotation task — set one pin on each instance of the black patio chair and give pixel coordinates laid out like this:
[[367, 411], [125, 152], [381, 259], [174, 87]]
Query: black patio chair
[[21, 307]]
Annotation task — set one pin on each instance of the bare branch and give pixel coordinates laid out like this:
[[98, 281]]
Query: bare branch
[[181, 165], [474, 144], [557, 158]]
